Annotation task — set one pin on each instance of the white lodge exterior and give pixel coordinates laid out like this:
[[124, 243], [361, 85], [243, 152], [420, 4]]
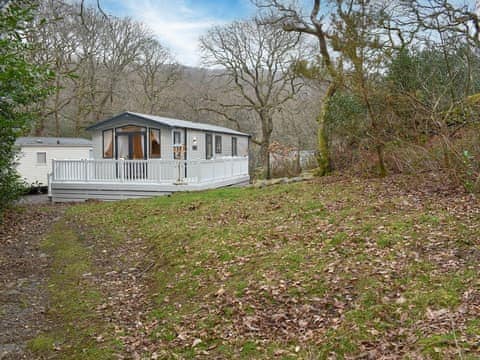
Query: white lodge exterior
[[139, 155]]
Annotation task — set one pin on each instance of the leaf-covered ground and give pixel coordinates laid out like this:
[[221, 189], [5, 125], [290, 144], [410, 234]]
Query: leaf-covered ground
[[24, 270], [330, 268]]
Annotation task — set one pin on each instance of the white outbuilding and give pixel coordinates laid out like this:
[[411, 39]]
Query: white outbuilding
[[34, 161]]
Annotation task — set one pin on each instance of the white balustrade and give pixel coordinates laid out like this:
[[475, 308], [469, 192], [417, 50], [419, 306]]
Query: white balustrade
[[148, 171]]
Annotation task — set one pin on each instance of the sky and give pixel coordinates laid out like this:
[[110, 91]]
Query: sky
[[178, 24]]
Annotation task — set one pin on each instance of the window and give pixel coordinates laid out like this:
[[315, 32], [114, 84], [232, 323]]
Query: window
[[41, 158], [208, 146], [234, 146], [108, 144], [218, 144], [155, 151], [130, 129], [177, 138], [177, 145]]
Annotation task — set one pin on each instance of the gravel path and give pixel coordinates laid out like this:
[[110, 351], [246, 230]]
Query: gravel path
[[23, 272], [34, 199]]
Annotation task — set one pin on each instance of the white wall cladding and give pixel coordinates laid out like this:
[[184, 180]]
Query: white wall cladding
[[32, 172], [242, 145], [97, 143], [166, 137], [198, 154]]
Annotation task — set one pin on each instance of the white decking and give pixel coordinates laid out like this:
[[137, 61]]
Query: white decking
[[79, 180]]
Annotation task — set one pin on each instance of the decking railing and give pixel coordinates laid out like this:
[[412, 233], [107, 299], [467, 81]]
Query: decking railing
[[149, 171]]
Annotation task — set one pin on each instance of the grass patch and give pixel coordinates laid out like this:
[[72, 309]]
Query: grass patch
[[253, 272], [41, 344], [73, 300]]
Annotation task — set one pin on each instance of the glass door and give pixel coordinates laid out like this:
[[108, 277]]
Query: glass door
[[123, 147], [131, 144]]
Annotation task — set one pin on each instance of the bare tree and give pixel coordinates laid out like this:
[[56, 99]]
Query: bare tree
[[158, 72], [291, 18], [55, 47], [121, 49], [102, 65], [257, 61]]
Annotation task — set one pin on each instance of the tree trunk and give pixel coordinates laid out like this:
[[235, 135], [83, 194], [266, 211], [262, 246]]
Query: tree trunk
[[265, 154], [298, 162], [379, 145], [323, 152], [40, 124], [381, 161], [56, 105], [267, 128]]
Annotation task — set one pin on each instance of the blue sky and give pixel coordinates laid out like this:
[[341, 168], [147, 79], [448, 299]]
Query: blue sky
[[179, 23]]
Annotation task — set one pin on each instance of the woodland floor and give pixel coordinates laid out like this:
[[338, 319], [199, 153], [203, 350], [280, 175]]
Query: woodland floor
[[328, 268]]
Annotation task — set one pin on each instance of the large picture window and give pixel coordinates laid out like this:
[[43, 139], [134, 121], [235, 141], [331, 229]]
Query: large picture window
[[234, 146], [155, 151], [218, 144], [108, 143]]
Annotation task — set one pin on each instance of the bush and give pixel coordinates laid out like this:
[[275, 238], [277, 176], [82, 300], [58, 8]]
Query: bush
[[286, 167], [21, 84]]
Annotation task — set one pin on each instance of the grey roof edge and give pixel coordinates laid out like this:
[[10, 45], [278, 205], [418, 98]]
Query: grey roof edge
[[52, 141], [157, 119]]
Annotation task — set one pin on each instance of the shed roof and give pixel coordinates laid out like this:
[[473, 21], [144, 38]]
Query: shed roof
[[52, 141], [168, 122]]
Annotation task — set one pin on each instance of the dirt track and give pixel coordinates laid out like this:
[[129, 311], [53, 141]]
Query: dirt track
[[23, 272]]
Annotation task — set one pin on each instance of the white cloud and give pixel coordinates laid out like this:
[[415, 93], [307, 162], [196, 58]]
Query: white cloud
[[177, 25]]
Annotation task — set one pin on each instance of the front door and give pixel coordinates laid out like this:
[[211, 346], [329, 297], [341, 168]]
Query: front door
[[131, 144]]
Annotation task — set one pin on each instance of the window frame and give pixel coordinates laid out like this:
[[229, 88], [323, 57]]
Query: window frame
[[208, 135], [133, 129], [150, 154], [42, 163], [103, 143], [218, 149], [173, 135], [177, 147], [234, 146]]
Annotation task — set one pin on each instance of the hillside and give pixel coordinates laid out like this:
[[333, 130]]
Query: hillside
[[331, 267]]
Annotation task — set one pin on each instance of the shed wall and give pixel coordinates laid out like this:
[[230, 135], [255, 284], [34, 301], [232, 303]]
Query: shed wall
[[32, 172], [242, 145]]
